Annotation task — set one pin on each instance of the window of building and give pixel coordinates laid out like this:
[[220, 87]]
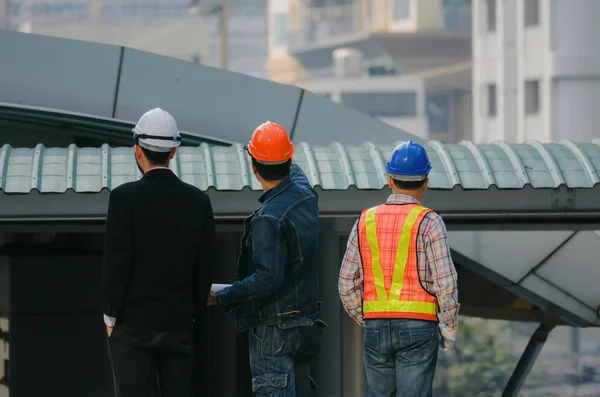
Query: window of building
[[491, 99], [382, 104], [532, 97], [532, 12], [491, 15], [437, 108], [280, 27], [401, 9]]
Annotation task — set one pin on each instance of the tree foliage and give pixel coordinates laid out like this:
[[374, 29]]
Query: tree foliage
[[481, 362]]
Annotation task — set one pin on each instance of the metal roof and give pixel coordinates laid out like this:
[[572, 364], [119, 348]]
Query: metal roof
[[333, 167], [85, 124], [114, 82]]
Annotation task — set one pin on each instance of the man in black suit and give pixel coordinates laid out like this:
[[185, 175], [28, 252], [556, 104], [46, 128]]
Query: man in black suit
[[158, 266]]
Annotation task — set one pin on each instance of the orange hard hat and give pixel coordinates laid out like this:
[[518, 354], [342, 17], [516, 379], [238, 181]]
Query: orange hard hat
[[270, 144]]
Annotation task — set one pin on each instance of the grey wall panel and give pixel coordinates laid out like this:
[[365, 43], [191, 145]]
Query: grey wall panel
[[202, 99], [527, 249], [574, 268], [56, 73], [4, 284], [228, 367], [59, 356], [327, 368], [65, 284], [353, 372], [548, 291], [321, 121]]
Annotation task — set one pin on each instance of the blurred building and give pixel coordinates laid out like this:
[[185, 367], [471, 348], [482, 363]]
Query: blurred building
[[536, 70], [406, 62], [167, 27], [182, 29], [247, 37]]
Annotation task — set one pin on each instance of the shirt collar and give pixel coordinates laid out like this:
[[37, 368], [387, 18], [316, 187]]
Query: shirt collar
[[399, 198], [159, 172], [158, 168]]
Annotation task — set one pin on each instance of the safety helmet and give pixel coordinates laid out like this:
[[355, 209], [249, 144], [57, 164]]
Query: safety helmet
[[157, 131], [270, 144], [409, 162]]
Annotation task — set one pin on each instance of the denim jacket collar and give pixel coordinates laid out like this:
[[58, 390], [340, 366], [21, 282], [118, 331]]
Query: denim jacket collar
[[272, 193]]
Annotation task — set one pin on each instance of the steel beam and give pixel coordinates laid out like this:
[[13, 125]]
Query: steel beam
[[530, 355]]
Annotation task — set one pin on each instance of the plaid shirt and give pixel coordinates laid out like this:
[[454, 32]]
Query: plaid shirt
[[436, 269]]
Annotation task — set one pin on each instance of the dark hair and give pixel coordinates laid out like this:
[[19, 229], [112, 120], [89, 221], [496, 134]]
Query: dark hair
[[156, 158], [409, 185], [272, 172]]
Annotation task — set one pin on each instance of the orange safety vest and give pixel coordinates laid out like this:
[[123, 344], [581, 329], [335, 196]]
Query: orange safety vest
[[387, 236]]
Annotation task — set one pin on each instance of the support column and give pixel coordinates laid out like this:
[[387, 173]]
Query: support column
[[353, 370], [531, 353], [327, 367]]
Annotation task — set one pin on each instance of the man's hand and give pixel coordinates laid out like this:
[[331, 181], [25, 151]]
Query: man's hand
[[447, 338], [109, 331], [211, 299]]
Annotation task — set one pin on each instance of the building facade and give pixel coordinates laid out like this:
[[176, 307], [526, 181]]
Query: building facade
[[416, 35], [398, 102], [418, 103], [247, 40], [406, 62], [536, 70]]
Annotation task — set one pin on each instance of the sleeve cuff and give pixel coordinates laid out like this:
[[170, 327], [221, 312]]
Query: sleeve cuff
[[109, 321], [219, 298]]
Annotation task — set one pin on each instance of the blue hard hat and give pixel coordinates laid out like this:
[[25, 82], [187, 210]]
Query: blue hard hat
[[409, 162]]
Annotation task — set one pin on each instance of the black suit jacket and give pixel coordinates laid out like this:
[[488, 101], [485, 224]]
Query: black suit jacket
[[159, 253]]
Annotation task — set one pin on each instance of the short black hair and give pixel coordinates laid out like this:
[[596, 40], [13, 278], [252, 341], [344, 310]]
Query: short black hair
[[272, 172], [409, 185], [156, 158]]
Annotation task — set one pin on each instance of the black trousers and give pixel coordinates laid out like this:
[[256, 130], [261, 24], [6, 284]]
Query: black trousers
[[148, 363]]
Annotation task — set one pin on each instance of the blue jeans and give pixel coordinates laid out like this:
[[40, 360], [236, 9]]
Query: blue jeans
[[400, 357], [280, 359]]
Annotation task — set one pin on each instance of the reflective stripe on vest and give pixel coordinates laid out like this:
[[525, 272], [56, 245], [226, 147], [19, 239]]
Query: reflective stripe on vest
[[389, 301]]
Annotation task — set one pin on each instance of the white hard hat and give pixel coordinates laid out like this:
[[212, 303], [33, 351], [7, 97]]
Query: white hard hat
[[157, 131]]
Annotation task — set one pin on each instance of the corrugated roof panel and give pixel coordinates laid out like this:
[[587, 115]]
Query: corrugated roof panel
[[503, 174], [19, 165], [54, 173], [92, 171], [535, 168], [363, 161], [469, 171], [591, 157], [193, 170], [438, 176], [330, 168], [569, 165], [122, 166], [333, 167]]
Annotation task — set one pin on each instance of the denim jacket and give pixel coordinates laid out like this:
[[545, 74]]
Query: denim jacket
[[277, 268]]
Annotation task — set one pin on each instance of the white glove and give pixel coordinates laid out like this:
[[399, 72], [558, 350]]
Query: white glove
[[447, 338]]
